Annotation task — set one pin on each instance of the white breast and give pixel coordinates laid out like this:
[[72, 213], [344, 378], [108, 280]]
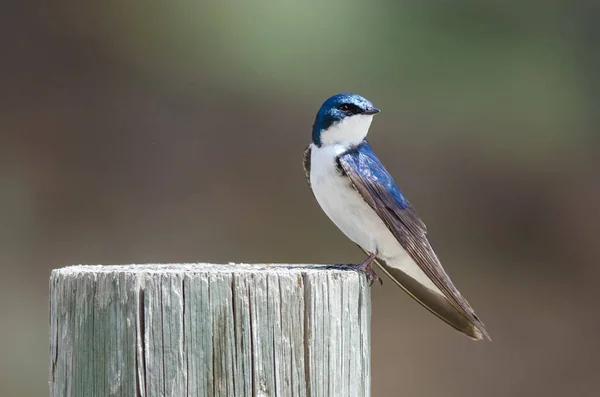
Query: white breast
[[352, 215]]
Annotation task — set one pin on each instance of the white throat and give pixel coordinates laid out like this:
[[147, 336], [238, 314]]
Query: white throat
[[348, 132]]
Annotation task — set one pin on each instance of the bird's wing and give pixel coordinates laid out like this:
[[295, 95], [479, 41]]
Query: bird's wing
[[372, 181], [306, 163]]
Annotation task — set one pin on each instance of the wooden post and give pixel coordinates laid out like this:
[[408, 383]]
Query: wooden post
[[209, 330]]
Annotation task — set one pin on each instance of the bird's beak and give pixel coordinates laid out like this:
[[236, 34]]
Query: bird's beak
[[372, 111]]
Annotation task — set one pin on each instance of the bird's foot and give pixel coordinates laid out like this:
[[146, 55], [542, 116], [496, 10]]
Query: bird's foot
[[367, 268]]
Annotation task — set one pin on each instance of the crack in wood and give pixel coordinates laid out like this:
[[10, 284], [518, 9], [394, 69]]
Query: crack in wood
[[209, 331]]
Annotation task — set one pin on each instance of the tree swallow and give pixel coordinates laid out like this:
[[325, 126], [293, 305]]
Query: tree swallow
[[362, 199]]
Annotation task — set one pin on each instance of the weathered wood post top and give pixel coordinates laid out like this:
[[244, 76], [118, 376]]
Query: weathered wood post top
[[209, 330]]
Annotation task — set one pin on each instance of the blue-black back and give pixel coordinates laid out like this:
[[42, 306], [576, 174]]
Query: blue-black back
[[366, 164]]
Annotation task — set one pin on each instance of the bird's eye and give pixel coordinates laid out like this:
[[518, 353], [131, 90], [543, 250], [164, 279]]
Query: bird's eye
[[349, 108]]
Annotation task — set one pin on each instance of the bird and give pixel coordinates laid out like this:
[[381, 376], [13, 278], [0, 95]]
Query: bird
[[361, 198]]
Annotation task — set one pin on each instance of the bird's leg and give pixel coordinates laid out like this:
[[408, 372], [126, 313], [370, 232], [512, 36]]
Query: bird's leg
[[367, 267]]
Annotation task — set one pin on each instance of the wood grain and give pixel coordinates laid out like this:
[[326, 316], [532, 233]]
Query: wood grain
[[209, 330]]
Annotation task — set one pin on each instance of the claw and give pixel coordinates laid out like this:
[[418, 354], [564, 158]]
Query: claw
[[367, 267]]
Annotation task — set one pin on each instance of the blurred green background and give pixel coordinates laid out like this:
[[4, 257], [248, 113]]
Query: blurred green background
[[154, 131]]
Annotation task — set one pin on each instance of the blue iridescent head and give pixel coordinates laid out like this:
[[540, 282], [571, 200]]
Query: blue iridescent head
[[343, 119]]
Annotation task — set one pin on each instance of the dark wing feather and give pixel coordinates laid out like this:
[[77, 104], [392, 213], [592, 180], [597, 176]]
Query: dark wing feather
[[379, 190], [306, 163]]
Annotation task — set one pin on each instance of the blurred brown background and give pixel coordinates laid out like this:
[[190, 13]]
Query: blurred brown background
[[154, 131]]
